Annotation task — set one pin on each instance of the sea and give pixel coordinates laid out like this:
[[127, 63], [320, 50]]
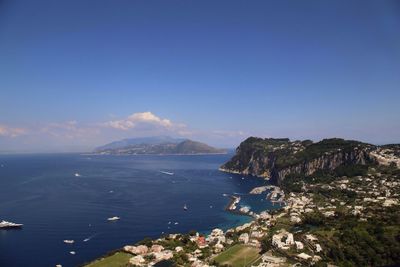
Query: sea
[[70, 196]]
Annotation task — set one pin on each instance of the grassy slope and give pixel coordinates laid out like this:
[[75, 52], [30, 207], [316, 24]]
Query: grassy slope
[[118, 259], [238, 256]]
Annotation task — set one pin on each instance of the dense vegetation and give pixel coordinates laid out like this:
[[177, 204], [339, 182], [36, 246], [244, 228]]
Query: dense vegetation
[[294, 182], [348, 240], [351, 242]]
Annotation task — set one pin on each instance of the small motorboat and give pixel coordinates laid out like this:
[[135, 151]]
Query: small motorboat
[[185, 207], [6, 224], [68, 241], [72, 252], [77, 175], [115, 218]]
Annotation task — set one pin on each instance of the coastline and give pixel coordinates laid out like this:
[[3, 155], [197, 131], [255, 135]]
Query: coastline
[[243, 173], [294, 233], [231, 207], [180, 154], [233, 201]]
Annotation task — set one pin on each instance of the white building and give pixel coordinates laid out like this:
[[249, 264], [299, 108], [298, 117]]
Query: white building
[[137, 260], [299, 245], [244, 238], [289, 239]]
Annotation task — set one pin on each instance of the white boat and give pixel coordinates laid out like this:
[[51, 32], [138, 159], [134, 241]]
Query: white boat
[[77, 175], [185, 207], [67, 241], [6, 224], [168, 173], [72, 252], [176, 223], [115, 218]]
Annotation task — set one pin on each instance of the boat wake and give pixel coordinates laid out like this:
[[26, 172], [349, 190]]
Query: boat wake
[[168, 173], [89, 238]]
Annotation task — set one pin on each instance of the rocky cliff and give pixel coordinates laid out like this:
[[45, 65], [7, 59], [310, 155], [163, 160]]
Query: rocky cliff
[[276, 158]]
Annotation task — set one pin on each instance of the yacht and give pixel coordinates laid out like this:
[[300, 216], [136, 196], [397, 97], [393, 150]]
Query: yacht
[[5, 224]]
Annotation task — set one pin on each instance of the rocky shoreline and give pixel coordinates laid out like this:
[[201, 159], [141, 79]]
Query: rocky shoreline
[[245, 173], [232, 207]]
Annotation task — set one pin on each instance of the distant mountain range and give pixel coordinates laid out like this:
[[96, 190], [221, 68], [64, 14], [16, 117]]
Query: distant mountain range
[[158, 145]]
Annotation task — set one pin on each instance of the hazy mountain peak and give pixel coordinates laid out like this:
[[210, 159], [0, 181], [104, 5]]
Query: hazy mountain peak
[[157, 145]]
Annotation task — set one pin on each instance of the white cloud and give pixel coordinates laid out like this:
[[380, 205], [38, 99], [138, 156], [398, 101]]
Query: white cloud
[[10, 131], [73, 135], [141, 119]]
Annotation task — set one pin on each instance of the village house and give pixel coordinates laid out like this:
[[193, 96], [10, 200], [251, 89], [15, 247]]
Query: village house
[[138, 250], [311, 238], [244, 238], [156, 248], [269, 260], [299, 245], [137, 260], [216, 235], [303, 256], [163, 255], [257, 234], [178, 249], [277, 240], [201, 242]]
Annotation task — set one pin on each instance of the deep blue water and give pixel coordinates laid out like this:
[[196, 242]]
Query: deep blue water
[[42, 192]]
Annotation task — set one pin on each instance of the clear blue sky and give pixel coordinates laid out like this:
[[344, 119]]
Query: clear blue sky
[[225, 69]]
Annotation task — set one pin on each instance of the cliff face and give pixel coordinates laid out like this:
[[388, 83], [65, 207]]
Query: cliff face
[[276, 158], [324, 162]]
